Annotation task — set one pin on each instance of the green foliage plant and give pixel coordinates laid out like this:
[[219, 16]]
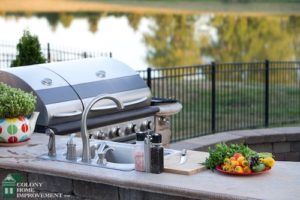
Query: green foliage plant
[[222, 151], [15, 102], [28, 51]]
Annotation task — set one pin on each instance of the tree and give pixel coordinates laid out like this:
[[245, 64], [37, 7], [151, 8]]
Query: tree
[[66, 19], [171, 42], [28, 51], [251, 39], [93, 20], [294, 31], [53, 20], [134, 20], [248, 39]]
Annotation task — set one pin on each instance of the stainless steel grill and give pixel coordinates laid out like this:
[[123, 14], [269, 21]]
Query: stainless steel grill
[[63, 89]]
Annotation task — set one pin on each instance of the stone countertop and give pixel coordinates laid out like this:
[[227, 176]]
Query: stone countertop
[[282, 182]]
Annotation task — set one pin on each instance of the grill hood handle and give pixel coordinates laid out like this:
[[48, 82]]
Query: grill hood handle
[[128, 103], [78, 112], [68, 114]]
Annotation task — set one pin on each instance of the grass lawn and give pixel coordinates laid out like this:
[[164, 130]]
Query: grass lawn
[[238, 106]]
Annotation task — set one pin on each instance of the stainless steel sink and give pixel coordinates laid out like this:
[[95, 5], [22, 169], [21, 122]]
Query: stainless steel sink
[[121, 158], [93, 152]]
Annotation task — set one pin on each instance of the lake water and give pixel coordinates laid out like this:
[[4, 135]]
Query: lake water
[[164, 40]]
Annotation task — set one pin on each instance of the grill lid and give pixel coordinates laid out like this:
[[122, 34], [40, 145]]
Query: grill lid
[[64, 88]]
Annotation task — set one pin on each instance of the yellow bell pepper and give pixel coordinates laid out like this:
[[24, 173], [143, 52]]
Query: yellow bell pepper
[[269, 162]]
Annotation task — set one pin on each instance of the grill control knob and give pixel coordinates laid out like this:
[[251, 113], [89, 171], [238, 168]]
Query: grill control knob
[[106, 136], [146, 125], [143, 126], [131, 128], [115, 132], [150, 125], [119, 132], [100, 135], [112, 133], [134, 128]]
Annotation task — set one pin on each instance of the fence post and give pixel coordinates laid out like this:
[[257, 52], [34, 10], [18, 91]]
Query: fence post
[[48, 53], [213, 97], [110, 54], [149, 70], [267, 79]]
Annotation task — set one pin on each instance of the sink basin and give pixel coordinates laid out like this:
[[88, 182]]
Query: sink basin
[[122, 153], [121, 158]]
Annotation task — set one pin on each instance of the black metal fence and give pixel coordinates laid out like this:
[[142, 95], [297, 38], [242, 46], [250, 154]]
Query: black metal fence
[[52, 53], [220, 97], [215, 97]]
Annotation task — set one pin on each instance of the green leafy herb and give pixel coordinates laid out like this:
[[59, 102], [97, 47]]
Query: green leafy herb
[[14, 102], [222, 151]]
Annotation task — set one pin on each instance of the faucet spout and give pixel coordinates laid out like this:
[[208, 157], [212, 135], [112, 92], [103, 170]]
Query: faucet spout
[[86, 154]]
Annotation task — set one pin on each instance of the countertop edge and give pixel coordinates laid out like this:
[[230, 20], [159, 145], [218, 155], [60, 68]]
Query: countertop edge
[[156, 188]]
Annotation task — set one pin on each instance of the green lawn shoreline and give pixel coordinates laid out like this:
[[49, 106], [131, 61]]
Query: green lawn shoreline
[[206, 1], [153, 7], [250, 6]]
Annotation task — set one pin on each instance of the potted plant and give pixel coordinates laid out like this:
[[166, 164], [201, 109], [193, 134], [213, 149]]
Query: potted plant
[[17, 116]]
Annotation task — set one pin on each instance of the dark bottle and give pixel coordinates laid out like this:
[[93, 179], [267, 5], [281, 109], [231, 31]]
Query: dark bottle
[[157, 154]]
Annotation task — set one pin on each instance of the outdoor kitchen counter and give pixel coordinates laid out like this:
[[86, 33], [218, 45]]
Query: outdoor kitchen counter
[[282, 182]]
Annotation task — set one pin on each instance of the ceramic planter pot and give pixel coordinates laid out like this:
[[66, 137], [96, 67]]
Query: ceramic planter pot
[[19, 129]]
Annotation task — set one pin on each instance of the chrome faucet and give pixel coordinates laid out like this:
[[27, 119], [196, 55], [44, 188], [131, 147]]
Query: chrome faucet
[[86, 154]]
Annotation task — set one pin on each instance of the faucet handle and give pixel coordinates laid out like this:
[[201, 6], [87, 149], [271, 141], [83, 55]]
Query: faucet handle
[[102, 147], [101, 158], [93, 150], [51, 143]]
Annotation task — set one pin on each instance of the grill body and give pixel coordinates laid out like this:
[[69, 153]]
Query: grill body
[[64, 89]]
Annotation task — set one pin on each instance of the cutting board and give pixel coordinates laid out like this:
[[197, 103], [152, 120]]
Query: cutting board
[[191, 166]]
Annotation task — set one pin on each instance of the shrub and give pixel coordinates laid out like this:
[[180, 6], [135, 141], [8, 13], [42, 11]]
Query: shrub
[[28, 51], [15, 102]]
